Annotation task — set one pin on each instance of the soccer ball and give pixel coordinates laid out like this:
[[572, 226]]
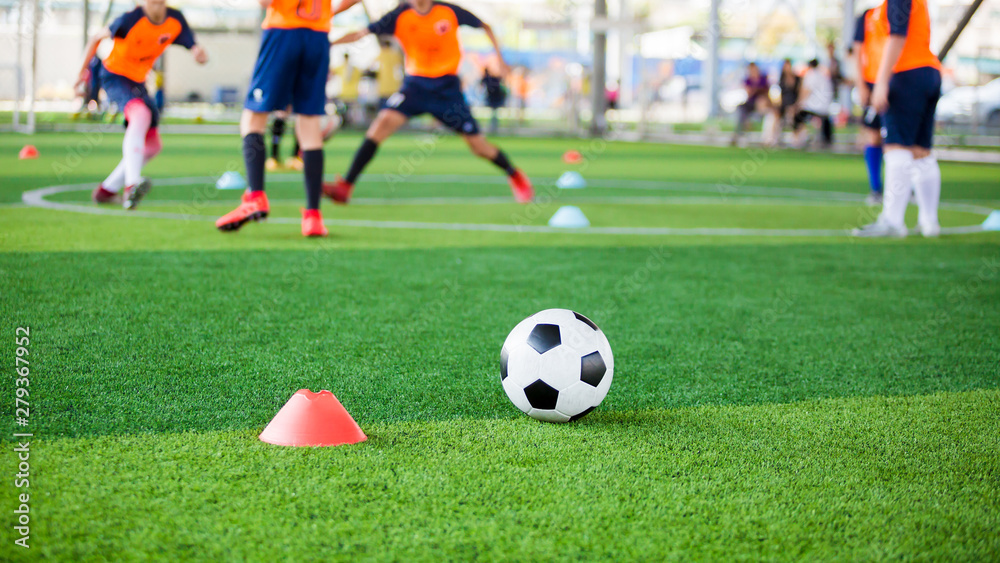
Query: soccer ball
[[556, 366]]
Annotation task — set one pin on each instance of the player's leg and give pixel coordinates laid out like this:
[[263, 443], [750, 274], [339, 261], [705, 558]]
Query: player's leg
[[872, 137], [308, 131], [252, 127], [270, 90], [926, 172], [901, 126], [519, 183], [309, 105], [140, 117], [278, 126], [387, 122], [451, 108]]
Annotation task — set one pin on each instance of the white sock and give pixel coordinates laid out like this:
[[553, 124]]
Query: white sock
[[116, 180], [133, 149], [898, 187], [927, 185]]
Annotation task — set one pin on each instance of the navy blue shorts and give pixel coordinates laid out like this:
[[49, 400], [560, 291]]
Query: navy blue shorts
[[869, 116], [913, 98], [291, 68], [441, 97], [121, 90]]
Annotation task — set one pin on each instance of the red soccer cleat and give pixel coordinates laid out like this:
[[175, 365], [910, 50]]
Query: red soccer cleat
[[254, 207], [339, 191], [101, 195], [521, 186], [312, 224]]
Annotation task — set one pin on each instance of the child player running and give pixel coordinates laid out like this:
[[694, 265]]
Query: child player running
[[140, 37], [427, 30]]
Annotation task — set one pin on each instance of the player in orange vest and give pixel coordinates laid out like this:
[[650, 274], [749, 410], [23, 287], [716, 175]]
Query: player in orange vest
[[427, 30], [868, 48], [291, 68], [907, 89], [140, 37]]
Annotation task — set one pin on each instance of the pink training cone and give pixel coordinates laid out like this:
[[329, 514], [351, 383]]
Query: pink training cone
[[28, 152], [312, 419], [572, 157]]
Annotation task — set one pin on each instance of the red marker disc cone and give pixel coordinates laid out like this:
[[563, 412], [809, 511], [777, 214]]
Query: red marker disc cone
[[312, 419], [572, 157], [29, 151]]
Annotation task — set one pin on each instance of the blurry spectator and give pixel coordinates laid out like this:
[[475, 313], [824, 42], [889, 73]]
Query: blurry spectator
[[92, 93], [496, 97], [389, 75], [758, 100], [521, 87], [836, 71], [612, 93], [160, 97], [815, 99], [841, 81], [790, 84], [350, 82]]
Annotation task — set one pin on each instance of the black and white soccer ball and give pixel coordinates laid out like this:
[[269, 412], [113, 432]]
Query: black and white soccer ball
[[556, 365]]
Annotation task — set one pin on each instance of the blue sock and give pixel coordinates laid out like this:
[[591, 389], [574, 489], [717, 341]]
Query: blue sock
[[873, 158]]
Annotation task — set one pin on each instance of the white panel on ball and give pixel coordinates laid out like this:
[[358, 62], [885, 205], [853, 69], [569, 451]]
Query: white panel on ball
[[548, 416]]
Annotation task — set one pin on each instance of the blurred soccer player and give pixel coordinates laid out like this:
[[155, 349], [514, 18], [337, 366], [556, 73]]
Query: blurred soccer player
[[907, 89], [868, 47], [140, 38], [291, 68], [428, 33]]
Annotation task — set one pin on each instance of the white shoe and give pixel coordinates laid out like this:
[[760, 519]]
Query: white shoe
[[131, 195], [880, 230], [932, 231], [873, 199]]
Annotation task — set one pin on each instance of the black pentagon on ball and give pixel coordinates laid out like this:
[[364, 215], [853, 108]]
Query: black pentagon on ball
[[544, 337], [585, 321], [504, 356], [592, 369], [581, 415], [541, 395]]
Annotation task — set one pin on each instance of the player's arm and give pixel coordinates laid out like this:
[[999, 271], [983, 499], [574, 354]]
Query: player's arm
[[466, 17], [88, 54], [504, 69], [384, 26], [859, 70], [199, 54], [899, 23], [345, 5], [352, 37], [186, 39]]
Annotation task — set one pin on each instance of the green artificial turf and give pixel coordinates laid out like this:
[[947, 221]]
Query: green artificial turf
[[866, 478], [774, 398]]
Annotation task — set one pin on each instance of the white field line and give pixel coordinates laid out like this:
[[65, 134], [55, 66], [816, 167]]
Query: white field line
[[787, 196]]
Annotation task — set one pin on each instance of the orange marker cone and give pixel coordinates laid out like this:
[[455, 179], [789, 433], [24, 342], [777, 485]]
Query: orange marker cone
[[572, 157], [28, 152], [312, 419]]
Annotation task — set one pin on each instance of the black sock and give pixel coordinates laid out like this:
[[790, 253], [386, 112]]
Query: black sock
[[361, 159], [501, 160], [254, 155], [277, 130], [312, 164]]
